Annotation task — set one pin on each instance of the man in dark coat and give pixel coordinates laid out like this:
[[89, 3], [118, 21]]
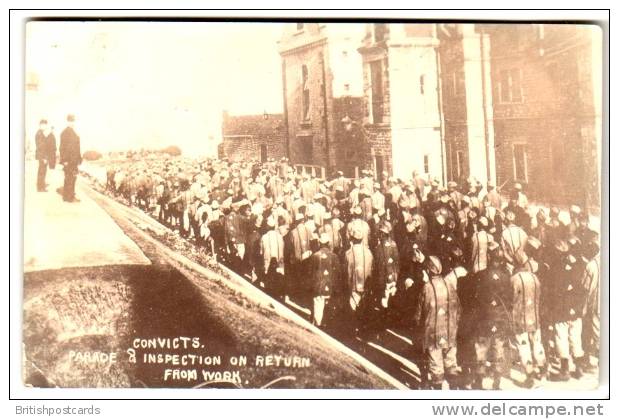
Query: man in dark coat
[[45, 153], [492, 325], [71, 158], [566, 302], [324, 273], [386, 269]]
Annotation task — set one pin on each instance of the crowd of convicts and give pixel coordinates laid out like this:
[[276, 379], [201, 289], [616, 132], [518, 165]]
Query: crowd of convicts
[[468, 270]]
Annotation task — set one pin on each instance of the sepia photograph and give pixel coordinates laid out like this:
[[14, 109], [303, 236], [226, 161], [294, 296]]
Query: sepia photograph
[[313, 204]]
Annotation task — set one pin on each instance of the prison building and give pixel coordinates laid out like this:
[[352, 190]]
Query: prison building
[[252, 137], [522, 103], [402, 113], [322, 80]]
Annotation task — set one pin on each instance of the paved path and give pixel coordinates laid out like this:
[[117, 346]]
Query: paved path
[[59, 234]]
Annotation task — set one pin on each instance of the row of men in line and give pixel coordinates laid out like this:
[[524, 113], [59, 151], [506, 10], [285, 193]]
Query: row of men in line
[[365, 255]]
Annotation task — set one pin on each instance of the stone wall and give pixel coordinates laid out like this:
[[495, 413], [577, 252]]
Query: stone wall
[[245, 136]]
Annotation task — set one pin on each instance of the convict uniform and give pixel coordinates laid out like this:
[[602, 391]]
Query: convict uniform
[[437, 317], [513, 242], [359, 261], [526, 320], [386, 266], [335, 242], [493, 299], [272, 251], [361, 225], [566, 303], [479, 250], [300, 238], [591, 315], [324, 276]]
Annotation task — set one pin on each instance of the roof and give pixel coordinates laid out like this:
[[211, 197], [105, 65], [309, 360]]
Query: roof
[[252, 124]]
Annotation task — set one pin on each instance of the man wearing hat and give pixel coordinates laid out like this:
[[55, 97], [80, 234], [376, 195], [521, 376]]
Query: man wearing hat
[[45, 153], [309, 187], [297, 250], [367, 181], [234, 228], [492, 324], [419, 183], [454, 194], [525, 303], [577, 226], [324, 273], [591, 314], [492, 197], [358, 223], [520, 197], [394, 192], [183, 201], [70, 158], [436, 322], [339, 183], [359, 261], [432, 197], [338, 226], [479, 246], [276, 186], [279, 211], [565, 301], [386, 265], [327, 229], [218, 232], [513, 240], [254, 260], [541, 229], [413, 238], [365, 203]]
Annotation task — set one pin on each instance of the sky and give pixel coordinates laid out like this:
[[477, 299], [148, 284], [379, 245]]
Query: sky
[[151, 84]]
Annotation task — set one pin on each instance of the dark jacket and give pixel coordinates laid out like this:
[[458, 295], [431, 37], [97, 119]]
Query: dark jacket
[[70, 153], [565, 292], [41, 145], [386, 264], [324, 272], [45, 148], [494, 301], [51, 150]]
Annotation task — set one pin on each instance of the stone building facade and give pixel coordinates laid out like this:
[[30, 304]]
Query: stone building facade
[[499, 102], [522, 103], [252, 137], [323, 95], [402, 117]]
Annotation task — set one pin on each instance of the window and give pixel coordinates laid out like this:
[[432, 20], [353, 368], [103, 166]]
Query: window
[[422, 84], [306, 93], [263, 153], [380, 32], [426, 163], [510, 88], [520, 162], [459, 164], [376, 78], [300, 26]]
